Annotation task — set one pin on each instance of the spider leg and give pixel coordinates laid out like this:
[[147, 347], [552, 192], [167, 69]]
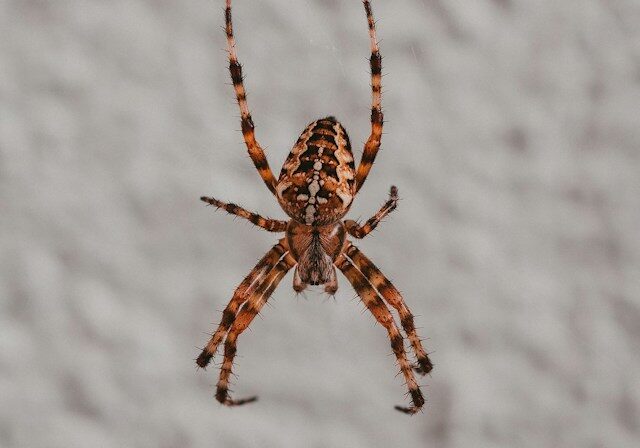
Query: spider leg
[[392, 296], [251, 308], [248, 130], [272, 225], [372, 145], [358, 231], [376, 305], [242, 292]]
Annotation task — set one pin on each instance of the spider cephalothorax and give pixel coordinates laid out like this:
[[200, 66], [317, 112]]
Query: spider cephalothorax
[[316, 188], [315, 249]]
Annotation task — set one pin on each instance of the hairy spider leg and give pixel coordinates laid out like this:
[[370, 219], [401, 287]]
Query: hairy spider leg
[[271, 225], [392, 296], [250, 283], [372, 145], [376, 305], [358, 231], [249, 310], [248, 129]]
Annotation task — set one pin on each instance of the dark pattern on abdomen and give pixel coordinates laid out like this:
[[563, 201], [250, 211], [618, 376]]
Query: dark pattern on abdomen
[[316, 182]]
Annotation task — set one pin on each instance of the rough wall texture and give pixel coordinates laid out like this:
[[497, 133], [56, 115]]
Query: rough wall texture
[[513, 135]]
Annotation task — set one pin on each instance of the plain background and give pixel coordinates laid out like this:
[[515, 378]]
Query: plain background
[[513, 134]]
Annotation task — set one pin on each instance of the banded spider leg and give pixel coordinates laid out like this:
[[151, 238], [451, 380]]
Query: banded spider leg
[[377, 307]]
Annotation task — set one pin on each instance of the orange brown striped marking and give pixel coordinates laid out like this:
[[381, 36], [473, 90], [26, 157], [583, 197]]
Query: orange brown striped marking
[[249, 310], [358, 231], [392, 296], [377, 118], [316, 184], [246, 122], [242, 292], [272, 225], [374, 303]]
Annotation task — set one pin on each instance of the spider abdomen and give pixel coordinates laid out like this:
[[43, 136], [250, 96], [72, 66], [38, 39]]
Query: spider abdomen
[[317, 181]]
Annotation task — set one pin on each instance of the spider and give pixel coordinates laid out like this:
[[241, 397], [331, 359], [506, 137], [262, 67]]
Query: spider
[[316, 188]]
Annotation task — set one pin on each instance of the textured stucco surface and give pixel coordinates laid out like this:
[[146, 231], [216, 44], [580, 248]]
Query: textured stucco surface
[[513, 135]]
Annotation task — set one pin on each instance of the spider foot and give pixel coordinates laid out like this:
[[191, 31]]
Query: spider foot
[[407, 410], [417, 401], [239, 402], [222, 395], [244, 401], [423, 366], [393, 193], [204, 359]]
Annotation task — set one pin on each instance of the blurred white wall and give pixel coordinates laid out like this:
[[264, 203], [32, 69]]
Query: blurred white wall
[[513, 134]]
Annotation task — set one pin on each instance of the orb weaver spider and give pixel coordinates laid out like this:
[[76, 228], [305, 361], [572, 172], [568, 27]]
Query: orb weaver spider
[[316, 188]]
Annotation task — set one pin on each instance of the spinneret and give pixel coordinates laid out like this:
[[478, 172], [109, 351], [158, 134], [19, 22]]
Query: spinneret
[[316, 187]]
